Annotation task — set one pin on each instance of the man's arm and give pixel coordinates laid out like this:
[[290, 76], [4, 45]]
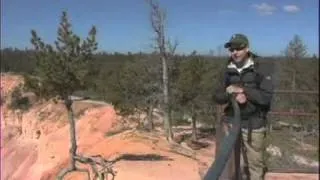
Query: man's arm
[[263, 94]]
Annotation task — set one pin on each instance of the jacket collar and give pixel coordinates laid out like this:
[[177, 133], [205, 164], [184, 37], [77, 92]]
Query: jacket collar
[[249, 64]]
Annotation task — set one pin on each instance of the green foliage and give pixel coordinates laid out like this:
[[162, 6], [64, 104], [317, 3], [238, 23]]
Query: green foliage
[[18, 101], [296, 48], [110, 67], [194, 87], [16, 60], [189, 82], [64, 68], [298, 74], [135, 86], [34, 85]]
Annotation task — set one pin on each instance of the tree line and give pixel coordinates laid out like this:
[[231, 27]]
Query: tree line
[[132, 81]]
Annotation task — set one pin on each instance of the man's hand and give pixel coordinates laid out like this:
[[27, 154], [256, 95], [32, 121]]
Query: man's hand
[[234, 89], [241, 98]]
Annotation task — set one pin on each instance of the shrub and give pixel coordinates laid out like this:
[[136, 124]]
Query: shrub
[[18, 101]]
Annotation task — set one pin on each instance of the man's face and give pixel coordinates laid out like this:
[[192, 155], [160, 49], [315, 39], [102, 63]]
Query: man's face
[[238, 54]]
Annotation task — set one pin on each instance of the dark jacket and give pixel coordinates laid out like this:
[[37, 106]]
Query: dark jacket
[[256, 81]]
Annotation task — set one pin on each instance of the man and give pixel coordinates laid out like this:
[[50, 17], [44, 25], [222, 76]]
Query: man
[[252, 86]]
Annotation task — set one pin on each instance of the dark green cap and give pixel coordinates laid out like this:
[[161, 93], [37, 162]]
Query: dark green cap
[[237, 41]]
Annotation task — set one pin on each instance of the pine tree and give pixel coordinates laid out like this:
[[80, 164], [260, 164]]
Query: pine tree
[[63, 69]]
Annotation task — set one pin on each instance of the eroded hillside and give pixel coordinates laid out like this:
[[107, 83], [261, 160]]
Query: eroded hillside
[[35, 143]]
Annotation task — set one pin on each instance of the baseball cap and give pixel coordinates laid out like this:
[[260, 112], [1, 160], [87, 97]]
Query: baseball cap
[[237, 41]]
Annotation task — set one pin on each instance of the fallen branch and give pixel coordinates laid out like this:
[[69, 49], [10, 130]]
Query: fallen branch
[[180, 149]]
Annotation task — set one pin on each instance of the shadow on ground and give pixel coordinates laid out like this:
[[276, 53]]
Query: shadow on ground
[[142, 157]]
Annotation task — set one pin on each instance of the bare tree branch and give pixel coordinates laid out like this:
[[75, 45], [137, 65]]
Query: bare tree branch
[[157, 19], [172, 46]]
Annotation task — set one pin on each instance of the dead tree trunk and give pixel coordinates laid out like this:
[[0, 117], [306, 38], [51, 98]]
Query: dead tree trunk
[[194, 128], [167, 117], [293, 88], [150, 118], [194, 124], [158, 17]]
